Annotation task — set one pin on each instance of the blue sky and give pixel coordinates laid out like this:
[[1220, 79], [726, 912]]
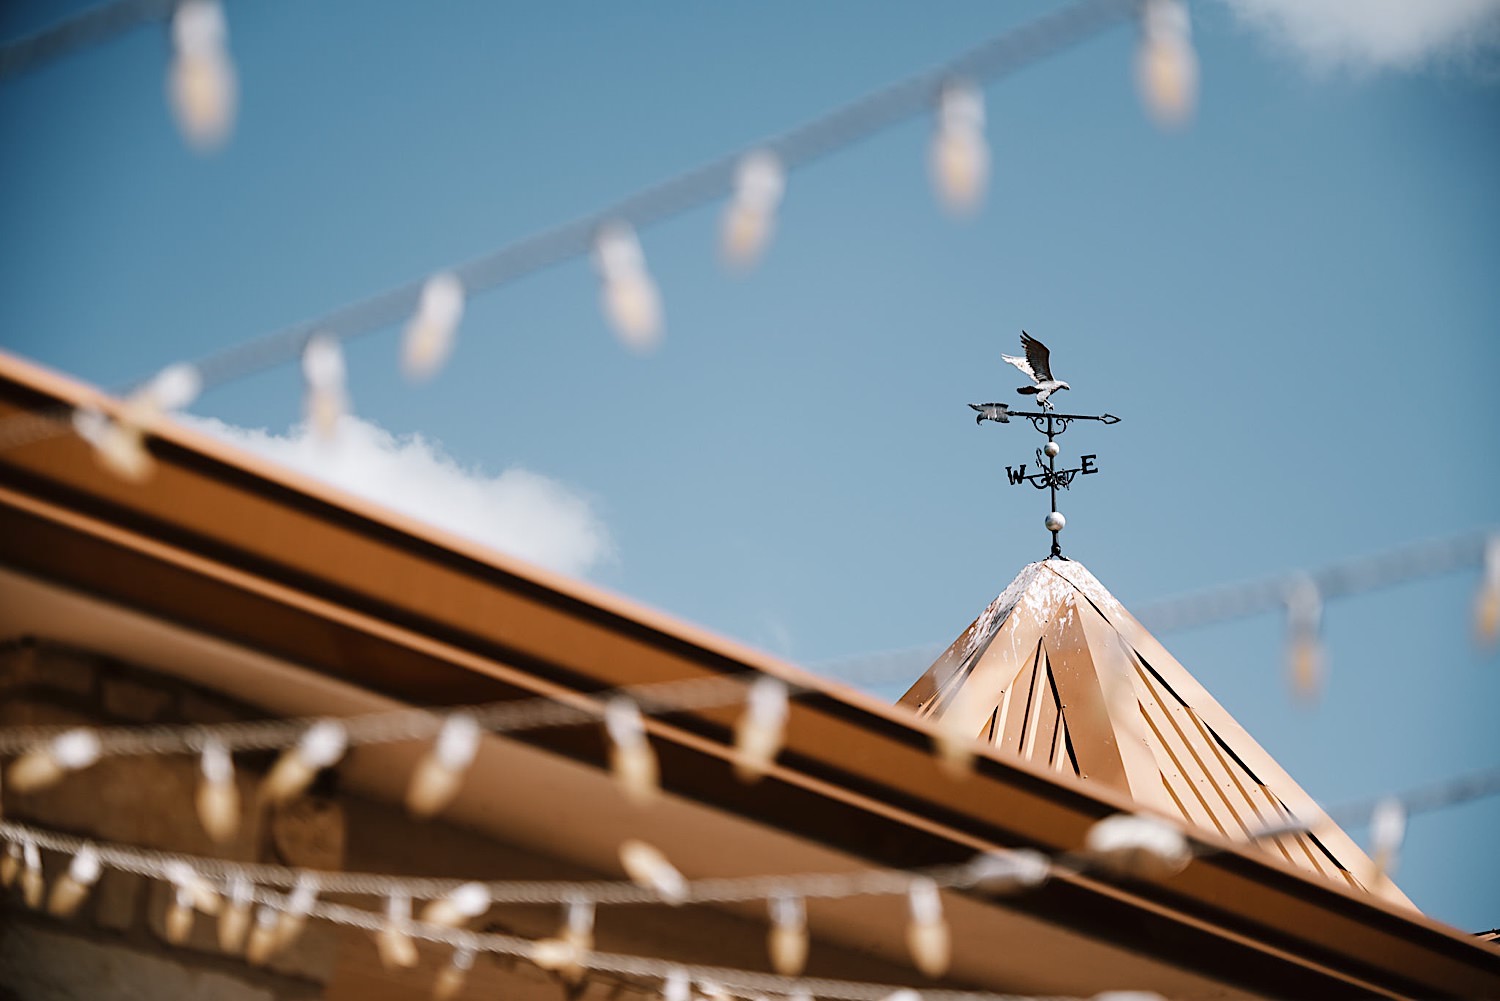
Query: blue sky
[[1293, 306]]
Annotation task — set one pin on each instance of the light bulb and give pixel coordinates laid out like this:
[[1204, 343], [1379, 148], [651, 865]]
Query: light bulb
[[451, 980], [320, 745], [440, 773], [428, 339], [1304, 615], [759, 732], [628, 293], [10, 865], [927, 932], [218, 798], [393, 941], [1010, 871], [325, 375], [42, 766], [554, 954], [647, 866], [578, 934], [1387, 831], [1487, 601], [959, 158], [677, 985], [173, 388], [262, 937], [750, 216], [201, 84], [179, 919], [234, 918], [73, 885], [631, 759], [1138, 846], [31, 875], [788, 936], [460, 905], [293, 917], [200, 895], [118, 446], [1166, 66]]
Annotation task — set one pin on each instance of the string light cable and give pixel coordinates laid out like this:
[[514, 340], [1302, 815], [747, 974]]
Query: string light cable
[[752, 176], [87, 27], [1126, 845], [1288, 593]]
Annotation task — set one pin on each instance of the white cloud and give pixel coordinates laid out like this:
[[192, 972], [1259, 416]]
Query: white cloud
[[517, 511], [1376, 34]]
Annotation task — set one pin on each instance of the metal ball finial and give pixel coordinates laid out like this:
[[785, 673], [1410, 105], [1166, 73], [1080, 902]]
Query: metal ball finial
[[1055, 522], [1052, 448]]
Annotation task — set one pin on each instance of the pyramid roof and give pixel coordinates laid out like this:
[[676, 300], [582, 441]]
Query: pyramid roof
[[1057, 672]]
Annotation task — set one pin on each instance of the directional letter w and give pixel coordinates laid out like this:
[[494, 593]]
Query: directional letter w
[[1016, 475]]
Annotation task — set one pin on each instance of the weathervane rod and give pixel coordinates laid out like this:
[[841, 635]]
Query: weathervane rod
[[1036, 365]]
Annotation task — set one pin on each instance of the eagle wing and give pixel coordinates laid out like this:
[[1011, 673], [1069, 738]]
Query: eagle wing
[[1038, 357]]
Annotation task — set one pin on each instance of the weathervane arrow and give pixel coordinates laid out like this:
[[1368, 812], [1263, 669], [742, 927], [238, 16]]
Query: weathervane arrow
[[1037, 366]]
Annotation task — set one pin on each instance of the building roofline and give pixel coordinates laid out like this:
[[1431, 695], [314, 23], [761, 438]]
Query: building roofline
[[228, 544]]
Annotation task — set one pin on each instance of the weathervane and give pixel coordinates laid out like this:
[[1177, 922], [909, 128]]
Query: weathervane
[[1037, 367]]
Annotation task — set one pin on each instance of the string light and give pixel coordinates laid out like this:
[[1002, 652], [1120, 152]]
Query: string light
[[630, 756], [565, 953], [173, 388], [1387, 831], [677, 985], [848, 124], [201, 83], [218, 799], [320, 746], [451, 979], [750, 216], [293, 918], [555, 954], [41, 767], [429, 335], [323, 371], [441, 772], [1138, 846], [73, 885], [462, 904], [1304, 618], [648, 867], [787, 940], [31, 875], [1166, 66], [959, 157], [262, 937], [1487, 601], [1010, 871], [10, 864], [234, 918], [393, 942], [628, 293], [761, 728], [927, 933], [190, 893], [118, 446]]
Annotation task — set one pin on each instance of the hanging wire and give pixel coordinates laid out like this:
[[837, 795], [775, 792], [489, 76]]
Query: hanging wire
[[843, 127], [77, 31], [1006, 870], [1208, 606], [389, 726]]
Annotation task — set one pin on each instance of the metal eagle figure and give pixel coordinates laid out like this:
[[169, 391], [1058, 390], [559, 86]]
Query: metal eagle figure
[[1038, 369]]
